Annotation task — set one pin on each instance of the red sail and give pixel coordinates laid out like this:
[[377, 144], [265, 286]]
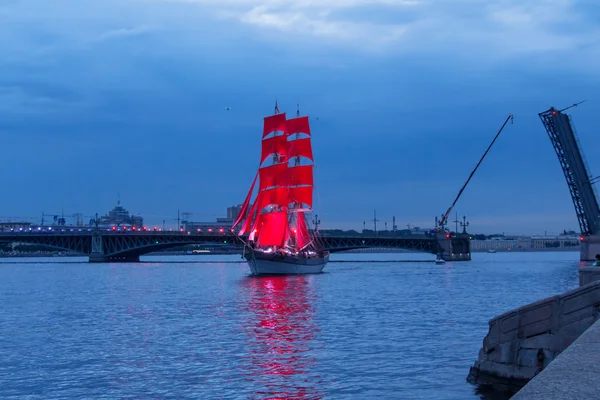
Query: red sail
[[274, 123], [254, 230], [300, 147], [277, 196], [301, 231], [274, 145], [245, 206], [248, 219], [272, 231], [273, 175], [302, 175], [302, 195], [298, 125]]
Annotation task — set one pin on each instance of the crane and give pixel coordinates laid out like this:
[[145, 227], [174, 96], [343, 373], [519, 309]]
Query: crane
[[444, 218]]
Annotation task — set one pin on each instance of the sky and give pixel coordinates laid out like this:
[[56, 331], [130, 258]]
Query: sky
[[108, 98]]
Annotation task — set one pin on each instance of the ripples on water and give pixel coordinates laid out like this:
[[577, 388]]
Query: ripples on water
[[174, 330]]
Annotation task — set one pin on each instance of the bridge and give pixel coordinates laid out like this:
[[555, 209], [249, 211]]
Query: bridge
[[117, 246], [566, 144]]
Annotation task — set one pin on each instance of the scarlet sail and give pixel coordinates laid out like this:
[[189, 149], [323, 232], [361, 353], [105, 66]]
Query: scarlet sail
[[302, 175], [301, 232], [300, 148], [298, 125], [274, 145], [245, 206], [272, 231], [274, 123], [285, 186], [273, 175]]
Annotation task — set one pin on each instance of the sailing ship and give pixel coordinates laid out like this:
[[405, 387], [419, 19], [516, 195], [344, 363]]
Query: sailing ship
[[279, 240]]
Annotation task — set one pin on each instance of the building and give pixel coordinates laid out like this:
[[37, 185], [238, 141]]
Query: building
[[14, 226], [234, 211], [119, 216], [555, 242], [220, 223], [502, 244], [525, 243], [415, 230]]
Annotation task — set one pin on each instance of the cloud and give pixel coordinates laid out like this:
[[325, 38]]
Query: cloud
[[124, 32], [495, 29], [476, 30]]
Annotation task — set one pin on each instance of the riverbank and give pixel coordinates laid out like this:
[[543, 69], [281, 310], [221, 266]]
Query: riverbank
[[523, 342]]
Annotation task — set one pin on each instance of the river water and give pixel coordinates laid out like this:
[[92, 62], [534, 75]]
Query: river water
[[175, 328]]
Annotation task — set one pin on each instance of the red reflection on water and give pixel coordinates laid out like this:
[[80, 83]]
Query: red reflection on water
[[280, 332]]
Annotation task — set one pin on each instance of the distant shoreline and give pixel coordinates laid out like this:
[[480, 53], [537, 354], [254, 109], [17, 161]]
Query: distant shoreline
[[370, 251]]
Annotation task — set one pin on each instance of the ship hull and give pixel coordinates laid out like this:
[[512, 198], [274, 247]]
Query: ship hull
[[280, 264]]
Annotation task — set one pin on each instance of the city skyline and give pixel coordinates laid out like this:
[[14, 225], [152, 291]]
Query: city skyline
[[148, 102], [170, 221]]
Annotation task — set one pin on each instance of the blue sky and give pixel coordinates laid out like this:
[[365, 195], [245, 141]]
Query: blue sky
[[106, 96]]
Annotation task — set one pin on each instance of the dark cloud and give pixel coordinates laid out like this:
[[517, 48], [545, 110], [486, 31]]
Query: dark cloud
[[131, 96]]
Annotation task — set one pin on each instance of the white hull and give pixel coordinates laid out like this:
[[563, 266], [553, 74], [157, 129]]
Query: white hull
[[279, 264]]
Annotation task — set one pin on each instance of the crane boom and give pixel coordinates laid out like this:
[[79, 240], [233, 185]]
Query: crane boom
[[447, 213]]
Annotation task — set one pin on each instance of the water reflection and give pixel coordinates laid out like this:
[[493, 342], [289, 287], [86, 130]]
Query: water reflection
[[280, 332]]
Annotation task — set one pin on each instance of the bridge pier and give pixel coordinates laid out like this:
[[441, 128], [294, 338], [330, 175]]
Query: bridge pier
[[98, 254], [589, 247], [457, 248]]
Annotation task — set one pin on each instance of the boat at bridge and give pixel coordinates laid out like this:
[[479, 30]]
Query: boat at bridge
[[279, 238]]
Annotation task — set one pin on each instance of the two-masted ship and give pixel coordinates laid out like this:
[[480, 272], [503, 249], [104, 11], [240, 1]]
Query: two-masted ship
[[279, 240]]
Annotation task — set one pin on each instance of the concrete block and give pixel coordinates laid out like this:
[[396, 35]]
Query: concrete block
[[552, 342], [537, 320], [588, 275], [505, 352], [572, 375], [589, 248], [510, 350], [508, 328], [580, 304], [549, 355], [527, 358]]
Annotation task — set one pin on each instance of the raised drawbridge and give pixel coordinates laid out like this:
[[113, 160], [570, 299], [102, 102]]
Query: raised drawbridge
[[581, 184]]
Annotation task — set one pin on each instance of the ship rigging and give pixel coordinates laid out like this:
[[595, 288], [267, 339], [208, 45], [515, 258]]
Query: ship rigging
[[279, 238]]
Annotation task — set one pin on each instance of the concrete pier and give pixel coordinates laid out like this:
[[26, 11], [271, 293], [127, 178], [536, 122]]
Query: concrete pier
[[522, 342], [456, 248], [590, 246]]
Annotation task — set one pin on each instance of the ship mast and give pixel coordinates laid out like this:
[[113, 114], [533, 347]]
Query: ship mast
[[270, 222]]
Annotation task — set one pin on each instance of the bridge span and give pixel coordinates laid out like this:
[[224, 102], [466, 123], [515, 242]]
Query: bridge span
[[110, 246]]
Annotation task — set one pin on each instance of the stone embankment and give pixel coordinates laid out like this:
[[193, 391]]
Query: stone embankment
[[572, 375], [522, 342]]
